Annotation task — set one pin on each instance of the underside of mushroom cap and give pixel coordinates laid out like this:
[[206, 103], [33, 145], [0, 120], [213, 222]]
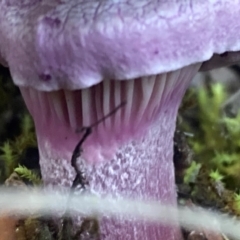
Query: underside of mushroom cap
[[221, 60], [2, 61], [73, 44]]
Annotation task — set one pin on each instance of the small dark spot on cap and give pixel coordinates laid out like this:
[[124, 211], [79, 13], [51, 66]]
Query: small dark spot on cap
[[156, 52], [45, 77], [52, 22]]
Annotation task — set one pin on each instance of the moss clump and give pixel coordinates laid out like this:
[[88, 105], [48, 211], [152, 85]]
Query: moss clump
[[211, 179], [12, 150], [215, 137], [29, 175]]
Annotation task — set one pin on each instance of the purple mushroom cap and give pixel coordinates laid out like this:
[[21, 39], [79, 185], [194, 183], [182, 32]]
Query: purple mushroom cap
[[76, 60], [72, 44]]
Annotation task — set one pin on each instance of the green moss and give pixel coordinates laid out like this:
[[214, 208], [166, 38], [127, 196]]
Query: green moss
[[212, 180], [216, 137], [191, 172], [8, 158], [29, 175], [215, 175], [11, 150]]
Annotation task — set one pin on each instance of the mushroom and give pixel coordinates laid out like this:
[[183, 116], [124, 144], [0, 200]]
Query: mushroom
[[75, 61]]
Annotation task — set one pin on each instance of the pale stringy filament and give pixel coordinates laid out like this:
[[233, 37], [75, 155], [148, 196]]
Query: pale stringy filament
[[50, 203]]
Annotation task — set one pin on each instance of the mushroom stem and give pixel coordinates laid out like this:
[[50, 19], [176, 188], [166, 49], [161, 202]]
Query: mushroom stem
[[130, 154]]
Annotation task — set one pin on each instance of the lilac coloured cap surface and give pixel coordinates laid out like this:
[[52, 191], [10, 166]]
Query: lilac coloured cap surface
[[53, 44]]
